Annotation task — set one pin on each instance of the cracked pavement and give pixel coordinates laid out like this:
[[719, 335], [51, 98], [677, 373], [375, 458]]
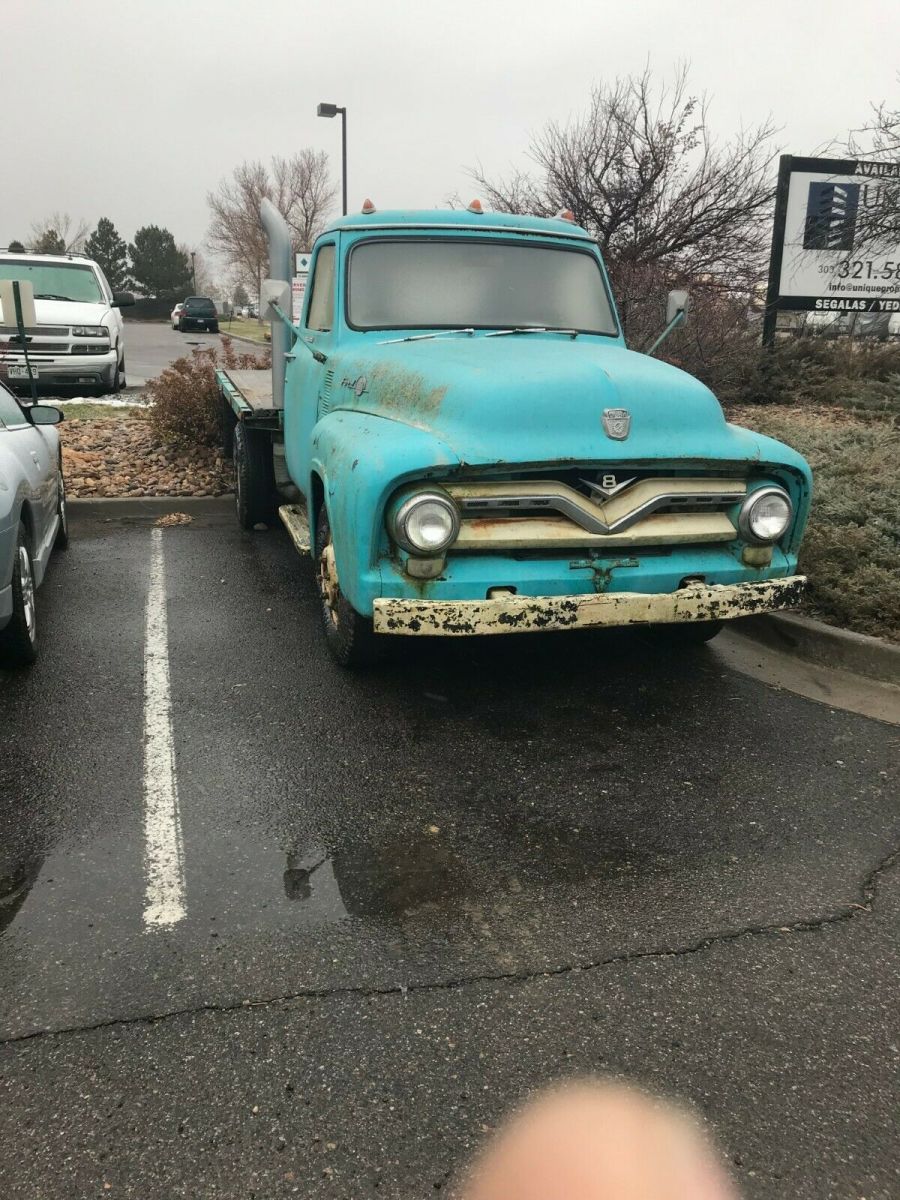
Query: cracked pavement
[[412, 896]]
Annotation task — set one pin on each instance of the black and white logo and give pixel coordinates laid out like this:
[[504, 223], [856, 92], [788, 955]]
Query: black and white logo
[[831, 216]]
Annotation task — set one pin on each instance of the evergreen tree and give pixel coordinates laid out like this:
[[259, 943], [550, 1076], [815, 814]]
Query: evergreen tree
[[107, 249], [158, 268], [49, 242]]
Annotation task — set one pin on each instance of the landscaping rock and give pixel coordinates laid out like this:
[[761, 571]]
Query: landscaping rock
[[123, 457]]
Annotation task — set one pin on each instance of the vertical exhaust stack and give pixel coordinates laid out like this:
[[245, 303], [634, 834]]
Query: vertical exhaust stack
[[279, 269]]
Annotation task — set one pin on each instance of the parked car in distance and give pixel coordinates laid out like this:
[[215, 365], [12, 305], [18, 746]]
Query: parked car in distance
[[198, 312], [79, 340], [32, 518], [175, 314]]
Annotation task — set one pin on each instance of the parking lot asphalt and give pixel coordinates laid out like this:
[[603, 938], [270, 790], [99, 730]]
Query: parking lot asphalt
[[406, 898], [150, 346]]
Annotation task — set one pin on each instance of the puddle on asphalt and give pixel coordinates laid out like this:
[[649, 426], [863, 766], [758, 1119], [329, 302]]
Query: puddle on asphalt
[[421, 875]]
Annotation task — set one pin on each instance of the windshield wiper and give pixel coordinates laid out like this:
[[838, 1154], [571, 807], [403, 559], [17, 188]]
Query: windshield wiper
[[51, 296], [421, 337], [531, 329]]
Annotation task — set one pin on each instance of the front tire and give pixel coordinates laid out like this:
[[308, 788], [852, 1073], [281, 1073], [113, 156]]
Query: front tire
[[116, 382], [18, 640], [349, 637], [256, 497]]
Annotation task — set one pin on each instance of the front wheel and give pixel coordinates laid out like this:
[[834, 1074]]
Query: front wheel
[[18, 640], [349, 636]]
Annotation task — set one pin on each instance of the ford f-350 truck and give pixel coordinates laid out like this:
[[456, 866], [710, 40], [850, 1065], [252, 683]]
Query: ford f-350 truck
[[458, 434]]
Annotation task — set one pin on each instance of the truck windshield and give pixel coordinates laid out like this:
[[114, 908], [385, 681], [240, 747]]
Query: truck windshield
[[55, 281], [445, 283]]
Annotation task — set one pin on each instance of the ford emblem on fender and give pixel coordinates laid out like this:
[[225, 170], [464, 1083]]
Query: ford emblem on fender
[[617, 423]]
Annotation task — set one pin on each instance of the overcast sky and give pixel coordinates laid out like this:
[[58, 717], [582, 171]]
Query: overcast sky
[[134, 109]]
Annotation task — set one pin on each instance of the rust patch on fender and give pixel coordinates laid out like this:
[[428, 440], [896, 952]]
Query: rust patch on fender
[[404, 392]]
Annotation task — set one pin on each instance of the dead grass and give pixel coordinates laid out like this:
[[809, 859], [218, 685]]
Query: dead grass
[[851, 551]]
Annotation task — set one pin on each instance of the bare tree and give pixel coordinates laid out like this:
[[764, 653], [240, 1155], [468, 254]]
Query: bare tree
[[879, 137], [59, 230], [878, 217], [667, 203], [202, 280], [301, 189]]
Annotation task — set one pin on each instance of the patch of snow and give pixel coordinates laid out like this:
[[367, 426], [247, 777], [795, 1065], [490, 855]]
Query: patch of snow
[[106, 401]]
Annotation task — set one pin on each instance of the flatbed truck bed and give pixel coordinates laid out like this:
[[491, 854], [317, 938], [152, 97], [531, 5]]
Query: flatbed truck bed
[[249, 396], [247, 399]]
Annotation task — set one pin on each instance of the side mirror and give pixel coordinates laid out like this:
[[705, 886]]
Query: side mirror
[[274, 291], [678, 302], [44, 414], [122, 299], [676, 314]]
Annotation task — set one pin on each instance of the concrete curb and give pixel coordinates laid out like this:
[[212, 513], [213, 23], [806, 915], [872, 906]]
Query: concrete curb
[[816, 642], [238, 337], [116, 508]]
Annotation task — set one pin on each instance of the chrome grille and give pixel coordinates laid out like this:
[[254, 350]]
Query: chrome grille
[[35, 349], [614, 514], [36, 331]]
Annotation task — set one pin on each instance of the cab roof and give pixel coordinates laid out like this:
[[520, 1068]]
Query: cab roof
[[456, 218]]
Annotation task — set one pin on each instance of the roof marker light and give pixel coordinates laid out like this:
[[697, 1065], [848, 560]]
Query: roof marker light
[[368, 207], [475, 207], [566, 214]]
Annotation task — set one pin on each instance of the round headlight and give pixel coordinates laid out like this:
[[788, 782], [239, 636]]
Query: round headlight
[[765, 515], [426, 523]]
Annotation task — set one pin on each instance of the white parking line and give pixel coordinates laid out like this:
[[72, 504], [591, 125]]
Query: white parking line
[[163, 850]]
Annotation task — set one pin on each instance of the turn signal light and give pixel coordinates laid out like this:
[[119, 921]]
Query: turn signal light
[[368, 207], [475, 207]]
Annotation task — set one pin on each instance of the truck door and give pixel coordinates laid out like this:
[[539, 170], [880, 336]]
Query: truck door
[[307, 375]]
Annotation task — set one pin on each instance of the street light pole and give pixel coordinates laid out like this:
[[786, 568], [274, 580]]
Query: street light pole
[[193, 271], [332, 110]]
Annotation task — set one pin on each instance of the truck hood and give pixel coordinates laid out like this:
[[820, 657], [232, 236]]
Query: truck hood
[[69, 312], [540, 398]]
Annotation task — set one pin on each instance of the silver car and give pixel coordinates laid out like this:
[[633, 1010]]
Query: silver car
[[32, 518]]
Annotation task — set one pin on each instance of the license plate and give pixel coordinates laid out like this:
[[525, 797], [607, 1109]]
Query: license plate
[[16, 372]]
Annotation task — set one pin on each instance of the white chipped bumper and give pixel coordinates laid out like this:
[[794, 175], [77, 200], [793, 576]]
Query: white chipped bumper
[[532, 614]]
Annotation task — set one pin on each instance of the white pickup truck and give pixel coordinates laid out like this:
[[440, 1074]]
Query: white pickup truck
[[78, 341]]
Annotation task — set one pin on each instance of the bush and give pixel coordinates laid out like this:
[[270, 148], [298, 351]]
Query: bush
[[851, 551], [859, 375], [185, 405]]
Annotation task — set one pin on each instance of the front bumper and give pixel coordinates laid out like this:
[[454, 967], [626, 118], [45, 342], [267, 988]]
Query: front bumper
[[533, 614], [68, 370]]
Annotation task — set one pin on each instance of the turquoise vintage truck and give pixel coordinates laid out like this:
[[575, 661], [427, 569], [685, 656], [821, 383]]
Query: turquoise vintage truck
[[458, 434]]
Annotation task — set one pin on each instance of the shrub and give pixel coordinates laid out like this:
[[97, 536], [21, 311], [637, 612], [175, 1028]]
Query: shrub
[[857, 374], [851, 551], [185, 405]]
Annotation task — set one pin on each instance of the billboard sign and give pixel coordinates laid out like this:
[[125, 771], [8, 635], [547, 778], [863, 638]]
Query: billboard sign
[[836, 241]]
